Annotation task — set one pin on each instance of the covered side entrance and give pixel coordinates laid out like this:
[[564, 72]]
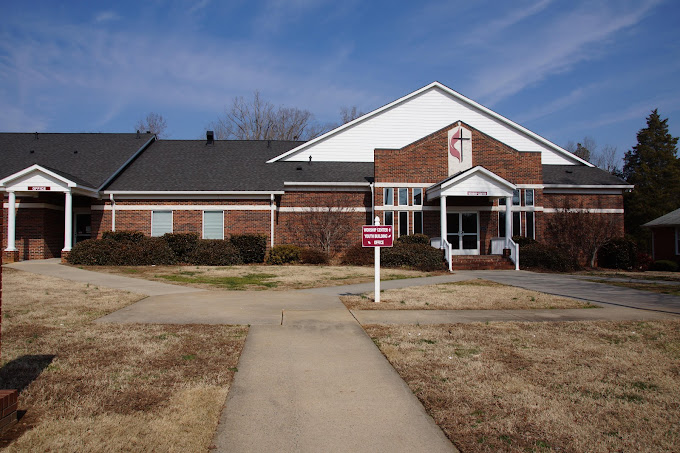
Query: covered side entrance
[[460, 227]]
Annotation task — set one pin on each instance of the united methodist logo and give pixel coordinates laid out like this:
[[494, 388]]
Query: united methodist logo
[[456, 143], [460, 149]]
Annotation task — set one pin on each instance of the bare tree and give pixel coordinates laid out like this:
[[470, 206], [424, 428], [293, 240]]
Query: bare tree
[[153, 123], [606, 159], [348, 114], [326, 227], [580, 233], [260, 120]]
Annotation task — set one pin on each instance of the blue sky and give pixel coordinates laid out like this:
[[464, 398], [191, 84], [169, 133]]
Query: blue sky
[[564, 70]]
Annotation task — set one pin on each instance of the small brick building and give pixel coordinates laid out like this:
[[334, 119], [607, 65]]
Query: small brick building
[[666, 236], [431, 162]]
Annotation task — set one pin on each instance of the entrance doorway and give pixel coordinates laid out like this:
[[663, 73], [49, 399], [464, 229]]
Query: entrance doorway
[[463, 232]]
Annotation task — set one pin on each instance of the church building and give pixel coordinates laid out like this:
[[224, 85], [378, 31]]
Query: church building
[[432, 162]]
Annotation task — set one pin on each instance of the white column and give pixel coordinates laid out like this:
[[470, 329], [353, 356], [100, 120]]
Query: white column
[[508, 221], [11, 222], [68, 222], [113, 212], [442, 219]]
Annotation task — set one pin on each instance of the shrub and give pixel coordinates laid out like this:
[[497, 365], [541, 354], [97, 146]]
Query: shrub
[[284, 254], [643, 261], [357, 255], [523, 241], [251, 247], [214, 252], [417, 256], [665, 266], [181, 244], [123, 252], [542, 256], [413, 239], [618, 253], [313, 256], [121, 236]]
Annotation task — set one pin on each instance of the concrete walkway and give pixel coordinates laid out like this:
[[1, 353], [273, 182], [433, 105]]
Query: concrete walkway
[[309, 377]]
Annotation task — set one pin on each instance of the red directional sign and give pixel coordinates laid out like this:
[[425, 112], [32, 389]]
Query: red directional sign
[[376, 236]]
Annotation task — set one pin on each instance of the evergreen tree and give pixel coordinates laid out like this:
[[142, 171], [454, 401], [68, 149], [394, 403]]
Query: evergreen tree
[[654, 168]]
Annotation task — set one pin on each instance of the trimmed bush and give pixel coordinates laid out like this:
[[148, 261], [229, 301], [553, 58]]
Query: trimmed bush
[[124, 252], [251, 247], [542, 256], [523, 241], [284, 254], [357, 255], [413, 239], [416, 256], [121, 236], [665, 266], [181, 244], [643, 261], [619, 253], [313, 256], [214, 252]]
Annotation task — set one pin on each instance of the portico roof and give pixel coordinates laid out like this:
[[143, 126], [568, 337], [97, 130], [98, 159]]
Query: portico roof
[[476, 181]]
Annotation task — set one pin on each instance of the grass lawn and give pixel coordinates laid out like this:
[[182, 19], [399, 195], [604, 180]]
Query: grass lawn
[[634, 275], [465, 295], [103, 387], [534, 387], [258, 277]]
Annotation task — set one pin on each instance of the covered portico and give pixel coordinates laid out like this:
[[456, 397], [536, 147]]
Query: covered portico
[[462, 237], [37, 182]]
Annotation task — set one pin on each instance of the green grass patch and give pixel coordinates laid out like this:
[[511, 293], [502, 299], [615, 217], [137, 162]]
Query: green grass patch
[[248, 281]]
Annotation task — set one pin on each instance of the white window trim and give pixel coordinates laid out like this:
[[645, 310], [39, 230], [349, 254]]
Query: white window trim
[[413, 196], [203, 229], [172, 221], [421, 222], [399, 189], [407, 223], [391, 203], [533, 197]]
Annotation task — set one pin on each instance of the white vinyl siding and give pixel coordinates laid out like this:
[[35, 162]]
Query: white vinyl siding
[[213, 224], [161, 222]]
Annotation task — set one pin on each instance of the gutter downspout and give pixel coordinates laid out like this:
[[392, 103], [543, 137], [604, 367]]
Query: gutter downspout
[[113, 212], [272, 208], [372, 185]]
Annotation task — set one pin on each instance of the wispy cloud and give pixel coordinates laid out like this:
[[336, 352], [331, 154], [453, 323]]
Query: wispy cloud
[[198, 6], [106, 16], [516, 15]]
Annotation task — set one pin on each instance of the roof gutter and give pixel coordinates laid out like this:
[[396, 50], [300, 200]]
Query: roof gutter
[[126, 163]]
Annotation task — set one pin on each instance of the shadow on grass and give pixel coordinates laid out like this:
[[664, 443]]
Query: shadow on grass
[[20, 372]]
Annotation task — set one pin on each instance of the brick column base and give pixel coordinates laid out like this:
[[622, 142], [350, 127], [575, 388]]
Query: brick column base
[[10, 257], [8, 408], [64, 255]]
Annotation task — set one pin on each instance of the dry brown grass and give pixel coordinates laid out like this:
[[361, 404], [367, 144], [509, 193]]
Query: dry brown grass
[[634, 275], [465, 295], [263, 276], [104, 387], [568, 387], [660, 288]]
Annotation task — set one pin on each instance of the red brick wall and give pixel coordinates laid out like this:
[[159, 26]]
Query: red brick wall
[[664, 244], [562, 201]]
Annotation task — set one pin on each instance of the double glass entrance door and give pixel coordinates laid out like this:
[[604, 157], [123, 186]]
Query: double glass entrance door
[[463, 232]]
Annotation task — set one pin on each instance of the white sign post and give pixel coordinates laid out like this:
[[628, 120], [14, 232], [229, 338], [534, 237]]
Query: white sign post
[[377, 236]]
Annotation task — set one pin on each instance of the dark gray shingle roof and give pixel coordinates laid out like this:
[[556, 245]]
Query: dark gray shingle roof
[[579, 175], [98, 156], [228, 165], [670, 219]]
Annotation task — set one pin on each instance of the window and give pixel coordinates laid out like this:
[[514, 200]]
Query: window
[[403, 223], [516, 224], [515, 197], [501, 202], [531, 232], [388, 218], [417, 197], [403, 196], [213, 224], [418, 222], [161, 222], [388, 196], [528, 197]]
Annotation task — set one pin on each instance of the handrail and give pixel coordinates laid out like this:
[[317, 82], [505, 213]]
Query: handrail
[[448, 253], [514, 252]]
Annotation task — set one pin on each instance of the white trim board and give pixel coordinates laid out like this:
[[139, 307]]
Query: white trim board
[[181, 207]]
